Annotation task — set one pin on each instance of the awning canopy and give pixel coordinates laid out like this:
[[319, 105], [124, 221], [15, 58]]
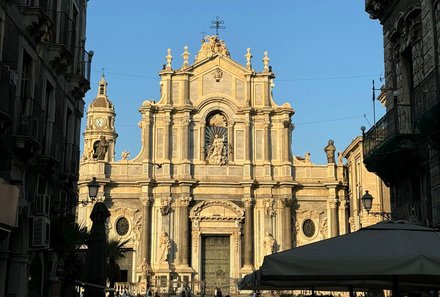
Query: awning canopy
[[380, 256]]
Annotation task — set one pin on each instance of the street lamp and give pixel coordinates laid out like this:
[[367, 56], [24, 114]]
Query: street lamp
[[93, 188], [367, 201]]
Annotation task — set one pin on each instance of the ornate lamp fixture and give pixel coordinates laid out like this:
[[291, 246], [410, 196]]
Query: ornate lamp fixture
[[93, 188]]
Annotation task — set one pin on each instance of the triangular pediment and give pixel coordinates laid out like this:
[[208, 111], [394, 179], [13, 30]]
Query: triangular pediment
[[218, 76]]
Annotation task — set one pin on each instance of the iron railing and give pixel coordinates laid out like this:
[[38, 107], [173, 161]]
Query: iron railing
[[71, 158], [67, 31], [426, 95], [397, 121]]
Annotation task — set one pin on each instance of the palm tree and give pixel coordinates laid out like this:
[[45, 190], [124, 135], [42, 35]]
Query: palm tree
[[67, 239], [115, 253]]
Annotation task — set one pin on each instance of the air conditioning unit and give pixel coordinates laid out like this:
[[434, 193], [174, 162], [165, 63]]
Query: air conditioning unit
[[40, 232], [42, 205]]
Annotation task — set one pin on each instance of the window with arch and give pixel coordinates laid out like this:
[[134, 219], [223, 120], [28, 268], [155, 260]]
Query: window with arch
[[216, 138]]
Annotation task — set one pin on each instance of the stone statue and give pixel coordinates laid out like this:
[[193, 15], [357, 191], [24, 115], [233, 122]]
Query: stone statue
[[268, 243], [215, 151], [330, 151], [102, 147], [210, 46], [307, 157], [340, 162], [125, 155], [164, 247]]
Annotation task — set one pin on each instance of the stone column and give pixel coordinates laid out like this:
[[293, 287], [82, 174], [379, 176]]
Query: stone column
[[248, 234], [230, 141], [145, 238], [185, 142], [167, 136], [184, 238], [287, 224], [202, 141], [267, 144], [286, 148], [334, 221], [247, 144]]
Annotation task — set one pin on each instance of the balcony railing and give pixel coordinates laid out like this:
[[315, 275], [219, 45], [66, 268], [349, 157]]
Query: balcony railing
[[397, 121], [83, 66], [67, 31], [71, 158], [426, 96], [31, 122]]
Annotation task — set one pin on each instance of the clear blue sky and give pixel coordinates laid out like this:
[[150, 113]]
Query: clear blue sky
[[325, 55]]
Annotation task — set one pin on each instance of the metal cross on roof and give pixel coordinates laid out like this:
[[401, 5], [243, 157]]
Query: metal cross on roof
[[217, 24]]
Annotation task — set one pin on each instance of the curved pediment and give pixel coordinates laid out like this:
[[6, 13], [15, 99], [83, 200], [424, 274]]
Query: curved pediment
[[216, 210]]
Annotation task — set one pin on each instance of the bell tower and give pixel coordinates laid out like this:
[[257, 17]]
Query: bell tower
[[100, 134]]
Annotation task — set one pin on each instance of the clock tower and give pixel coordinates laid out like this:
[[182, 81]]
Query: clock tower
[[100, 135]]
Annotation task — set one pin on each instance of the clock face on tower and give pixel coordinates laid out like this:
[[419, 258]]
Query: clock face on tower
[[99, 122]]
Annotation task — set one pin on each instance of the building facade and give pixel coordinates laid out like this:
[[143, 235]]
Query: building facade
[[403, 146], [43, 78], [361, 180], [214, 187]]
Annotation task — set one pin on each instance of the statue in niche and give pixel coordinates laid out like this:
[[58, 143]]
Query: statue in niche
[[101, 148], [216, 139], [269, 243], [215, 152], [164, 247], [330, 151]]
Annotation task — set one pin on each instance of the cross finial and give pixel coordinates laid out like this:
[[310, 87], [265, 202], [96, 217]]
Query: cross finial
[[217, 24], [102, 75]]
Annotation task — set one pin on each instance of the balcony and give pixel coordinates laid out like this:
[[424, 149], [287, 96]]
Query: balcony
[[60, 53], [389, 143], [79, 78], [28, 134], [71, 160], [51, 157], [427, 105], [36, 18]]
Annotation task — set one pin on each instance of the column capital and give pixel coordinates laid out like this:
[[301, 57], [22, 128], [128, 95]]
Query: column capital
[[269, 207], [333, 203], [146, 200], [248, 202], [184, 201], [287, 202], [165, 205]]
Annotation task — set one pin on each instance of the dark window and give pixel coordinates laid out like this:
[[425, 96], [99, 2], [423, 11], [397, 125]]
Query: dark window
[[308, 228]]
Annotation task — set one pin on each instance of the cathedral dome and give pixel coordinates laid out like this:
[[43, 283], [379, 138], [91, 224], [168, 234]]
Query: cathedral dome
[[102, 102]]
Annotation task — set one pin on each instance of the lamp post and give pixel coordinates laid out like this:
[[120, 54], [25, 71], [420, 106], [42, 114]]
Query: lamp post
[[367, 201], [96, 261]]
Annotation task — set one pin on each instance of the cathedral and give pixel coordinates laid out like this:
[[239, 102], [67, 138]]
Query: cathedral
[[215, 186]]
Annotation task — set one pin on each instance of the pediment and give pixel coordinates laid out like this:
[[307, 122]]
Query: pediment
[[218, 76], [216, 210]]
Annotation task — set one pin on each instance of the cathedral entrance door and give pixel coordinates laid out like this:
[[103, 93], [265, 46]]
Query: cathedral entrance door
[[216, 263]]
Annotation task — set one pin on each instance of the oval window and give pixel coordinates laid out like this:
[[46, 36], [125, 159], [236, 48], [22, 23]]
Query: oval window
[[308, 228], [122, 226]]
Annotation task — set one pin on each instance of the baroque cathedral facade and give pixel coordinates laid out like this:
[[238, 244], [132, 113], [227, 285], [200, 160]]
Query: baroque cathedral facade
[[215, 186]]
